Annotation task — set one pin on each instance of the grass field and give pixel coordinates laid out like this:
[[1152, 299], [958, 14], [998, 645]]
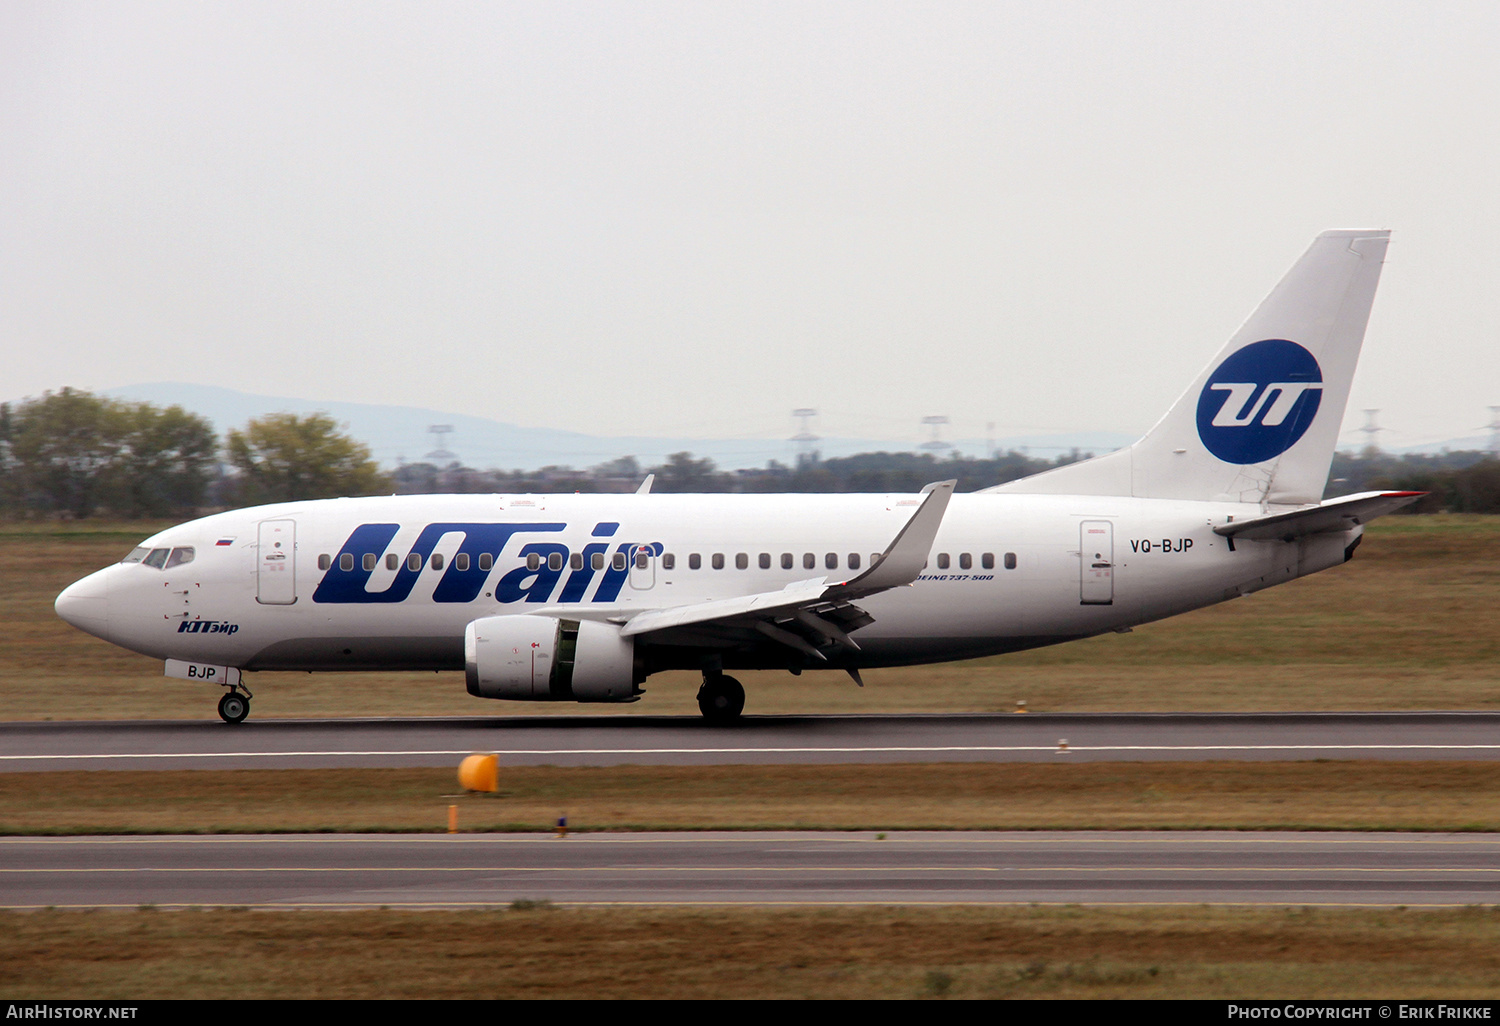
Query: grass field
[[841, 952], [1353, 795], [1412, 623]]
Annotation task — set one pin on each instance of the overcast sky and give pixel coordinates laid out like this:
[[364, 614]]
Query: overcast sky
[[688, 219]]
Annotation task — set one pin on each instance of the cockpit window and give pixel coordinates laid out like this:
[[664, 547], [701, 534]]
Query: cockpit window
[[161, 559]]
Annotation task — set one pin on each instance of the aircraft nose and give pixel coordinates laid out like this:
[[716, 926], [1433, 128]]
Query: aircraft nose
[[85, 605]]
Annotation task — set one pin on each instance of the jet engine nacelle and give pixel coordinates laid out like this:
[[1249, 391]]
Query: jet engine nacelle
[[549, 659]]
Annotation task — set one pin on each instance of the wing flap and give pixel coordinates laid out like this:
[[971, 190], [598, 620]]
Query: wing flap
[[758, 606]]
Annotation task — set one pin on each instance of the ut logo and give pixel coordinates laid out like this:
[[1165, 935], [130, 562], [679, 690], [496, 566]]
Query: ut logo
[[1260, 401], [1242, 397]]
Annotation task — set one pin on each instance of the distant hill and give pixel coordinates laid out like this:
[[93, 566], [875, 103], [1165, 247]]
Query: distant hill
[[397, 433]]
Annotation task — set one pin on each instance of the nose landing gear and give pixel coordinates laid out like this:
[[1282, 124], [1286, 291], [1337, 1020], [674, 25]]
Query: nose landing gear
[[235, 706], [721, 699]]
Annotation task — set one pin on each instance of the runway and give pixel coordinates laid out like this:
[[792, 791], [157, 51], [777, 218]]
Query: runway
[[443, 871], [666, 740]]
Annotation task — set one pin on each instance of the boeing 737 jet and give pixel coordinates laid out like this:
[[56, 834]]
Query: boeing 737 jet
[[582, 597]]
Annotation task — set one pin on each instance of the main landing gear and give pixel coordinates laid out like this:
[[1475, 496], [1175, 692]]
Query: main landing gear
[[234, 706], [721, 699]]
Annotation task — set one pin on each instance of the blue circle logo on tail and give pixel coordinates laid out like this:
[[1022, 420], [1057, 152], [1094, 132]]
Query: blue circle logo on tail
[[1260, 401]]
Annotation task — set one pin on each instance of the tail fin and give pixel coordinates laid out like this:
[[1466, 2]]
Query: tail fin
[[1261, 422]]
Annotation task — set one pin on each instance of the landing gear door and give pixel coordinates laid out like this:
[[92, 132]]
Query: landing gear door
[[276, 574], [1096, 559]]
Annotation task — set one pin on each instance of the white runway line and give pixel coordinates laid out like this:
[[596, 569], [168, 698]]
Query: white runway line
[[873, 750]]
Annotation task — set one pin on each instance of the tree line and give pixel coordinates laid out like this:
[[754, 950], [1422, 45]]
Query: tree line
[[75, 454]]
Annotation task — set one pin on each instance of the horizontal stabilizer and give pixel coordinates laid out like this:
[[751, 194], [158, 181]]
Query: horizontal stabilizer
[[1334, 515]]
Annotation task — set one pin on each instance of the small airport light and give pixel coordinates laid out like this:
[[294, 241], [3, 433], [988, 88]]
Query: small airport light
[[1062, 745], [1020, 705], [453, 819]]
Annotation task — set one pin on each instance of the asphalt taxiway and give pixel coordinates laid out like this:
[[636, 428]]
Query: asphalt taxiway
[[478, 870]]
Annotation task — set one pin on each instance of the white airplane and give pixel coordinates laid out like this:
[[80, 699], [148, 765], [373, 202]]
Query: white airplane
[[582, 597]]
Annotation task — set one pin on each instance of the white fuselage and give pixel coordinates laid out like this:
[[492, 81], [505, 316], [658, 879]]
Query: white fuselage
[[392, 583]]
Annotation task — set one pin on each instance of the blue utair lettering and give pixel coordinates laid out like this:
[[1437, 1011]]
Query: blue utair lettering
[[1260, 401], [543, 578], [207, 627], [349, 586], [521, 584], [579, 580]]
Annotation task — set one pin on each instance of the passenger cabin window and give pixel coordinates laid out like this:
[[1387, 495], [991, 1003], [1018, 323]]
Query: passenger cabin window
[[533, 561], [809, 561], [695, 562], [831, 561], [987, 561], [786, 561], [668, 561], [765, 561], [461, 562], [486, 560], [942, 560], [642, 558], [617, 561], [741, 560], [597, 561], [346, 562], [437, 561], [392, 561], [718, 560], [414, 562], [575, 561], [1010, 561], [369, 561], [554, 561], [965, 561], [854, 561], [325, 561]]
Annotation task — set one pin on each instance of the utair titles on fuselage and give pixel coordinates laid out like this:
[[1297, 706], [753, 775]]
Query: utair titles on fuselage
[[583, 597]]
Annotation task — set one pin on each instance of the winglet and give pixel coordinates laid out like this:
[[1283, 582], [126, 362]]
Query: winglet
[[902, 562], [645, 488]]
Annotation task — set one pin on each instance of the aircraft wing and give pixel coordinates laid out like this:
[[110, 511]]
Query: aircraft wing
[[810, 614], [1333, 515]]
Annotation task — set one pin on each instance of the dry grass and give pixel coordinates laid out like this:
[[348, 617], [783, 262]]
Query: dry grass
[[958, 796], [546, 952], [1412, 623]]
